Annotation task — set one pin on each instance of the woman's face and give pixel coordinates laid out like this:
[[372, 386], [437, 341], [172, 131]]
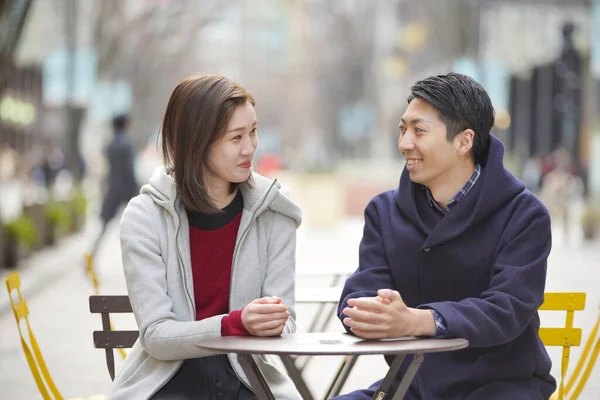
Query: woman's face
[[230, 159]]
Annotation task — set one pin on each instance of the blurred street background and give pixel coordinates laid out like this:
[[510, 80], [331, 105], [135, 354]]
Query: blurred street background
[[330, 78]]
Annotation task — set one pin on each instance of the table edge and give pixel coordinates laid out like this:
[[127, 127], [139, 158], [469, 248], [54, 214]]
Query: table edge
[[460, 344]]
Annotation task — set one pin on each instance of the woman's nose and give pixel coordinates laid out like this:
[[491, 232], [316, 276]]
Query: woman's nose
[[248, 147]]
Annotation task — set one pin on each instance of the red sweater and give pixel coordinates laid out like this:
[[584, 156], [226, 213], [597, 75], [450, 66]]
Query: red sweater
[[212, 258]]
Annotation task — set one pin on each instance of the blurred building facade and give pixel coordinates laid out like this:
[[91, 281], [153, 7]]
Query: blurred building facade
[[330, 76]]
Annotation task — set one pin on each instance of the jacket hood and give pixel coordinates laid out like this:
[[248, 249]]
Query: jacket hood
[[266, 194], [494, 188]]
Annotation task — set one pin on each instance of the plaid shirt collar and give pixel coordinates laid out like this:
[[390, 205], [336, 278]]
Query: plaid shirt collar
[[461, 193]]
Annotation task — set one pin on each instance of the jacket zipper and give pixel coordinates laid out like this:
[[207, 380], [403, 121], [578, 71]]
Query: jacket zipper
[[237, 245]]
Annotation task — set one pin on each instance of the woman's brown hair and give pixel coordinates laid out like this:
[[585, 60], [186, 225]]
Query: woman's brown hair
[[197, 117]]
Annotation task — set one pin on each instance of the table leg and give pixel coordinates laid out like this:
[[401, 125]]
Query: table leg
[[384, 388], [409, 375], [256, 378], [342, 376], [296, 376]]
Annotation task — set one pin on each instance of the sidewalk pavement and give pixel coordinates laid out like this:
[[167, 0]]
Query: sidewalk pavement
[[45, 266], [57, 290]]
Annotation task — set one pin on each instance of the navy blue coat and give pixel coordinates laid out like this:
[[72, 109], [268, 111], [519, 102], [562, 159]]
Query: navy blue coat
[[482, 266]]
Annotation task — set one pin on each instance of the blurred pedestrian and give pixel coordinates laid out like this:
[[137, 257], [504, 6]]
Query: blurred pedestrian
[[53, 160], [208, 251], [121, 184], [561, 188]]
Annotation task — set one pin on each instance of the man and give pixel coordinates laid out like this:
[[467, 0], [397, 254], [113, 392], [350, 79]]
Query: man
[[459, 249], [121, 182]]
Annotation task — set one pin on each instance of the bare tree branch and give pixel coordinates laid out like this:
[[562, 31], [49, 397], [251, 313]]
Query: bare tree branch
[[151, 50]]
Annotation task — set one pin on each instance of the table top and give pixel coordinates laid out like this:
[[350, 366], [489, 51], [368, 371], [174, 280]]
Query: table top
[[328, 343]]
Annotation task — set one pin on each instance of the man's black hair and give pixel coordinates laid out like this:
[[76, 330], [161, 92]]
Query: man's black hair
[[463, 104]]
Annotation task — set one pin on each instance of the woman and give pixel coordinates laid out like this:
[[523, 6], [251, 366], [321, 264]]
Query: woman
[[208, 250]]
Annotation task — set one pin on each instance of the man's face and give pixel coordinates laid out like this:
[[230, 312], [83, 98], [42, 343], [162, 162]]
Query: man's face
[[430, 158]]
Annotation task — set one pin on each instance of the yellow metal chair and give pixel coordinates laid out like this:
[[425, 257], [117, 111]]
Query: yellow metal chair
[[91, 272], [588, 359], [33, 353], [563, 337]]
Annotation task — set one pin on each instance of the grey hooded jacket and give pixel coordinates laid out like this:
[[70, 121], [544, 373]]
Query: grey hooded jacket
[[156, 258]]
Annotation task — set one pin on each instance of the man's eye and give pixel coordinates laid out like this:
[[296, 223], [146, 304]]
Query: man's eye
[[253, 131]]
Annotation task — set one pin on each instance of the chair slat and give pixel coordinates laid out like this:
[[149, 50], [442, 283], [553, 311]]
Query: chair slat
[[115, 339], [563, 301], [110, 304], [21, 309], [560, 336], [13, 281]]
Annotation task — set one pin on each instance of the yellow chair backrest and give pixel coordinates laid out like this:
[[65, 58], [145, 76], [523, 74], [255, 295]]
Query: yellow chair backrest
[[33, 354], [563, 337]]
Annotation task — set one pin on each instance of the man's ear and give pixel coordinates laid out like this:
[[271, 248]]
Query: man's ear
[[464, 141]]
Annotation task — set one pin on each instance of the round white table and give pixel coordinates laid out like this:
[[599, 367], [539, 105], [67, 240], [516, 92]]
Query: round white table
[[331, 343]]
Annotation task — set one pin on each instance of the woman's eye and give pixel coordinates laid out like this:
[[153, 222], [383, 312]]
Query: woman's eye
[[253, 131], [238, 137]]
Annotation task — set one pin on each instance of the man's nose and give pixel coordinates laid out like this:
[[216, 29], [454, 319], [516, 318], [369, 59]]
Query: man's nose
[[406, 142]]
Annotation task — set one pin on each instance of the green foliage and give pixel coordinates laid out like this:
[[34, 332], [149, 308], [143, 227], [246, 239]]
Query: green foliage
[[79, 203], [24, 230], [58, 214]]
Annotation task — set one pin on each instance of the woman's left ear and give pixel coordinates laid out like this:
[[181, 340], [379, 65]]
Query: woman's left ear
[[465, 141]]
